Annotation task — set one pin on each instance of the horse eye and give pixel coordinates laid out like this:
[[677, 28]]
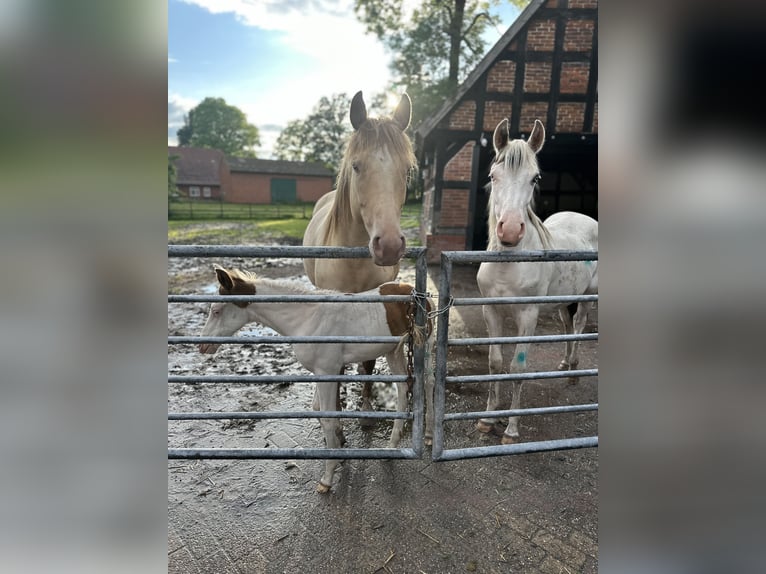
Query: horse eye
[[537, 179], [355, 167]]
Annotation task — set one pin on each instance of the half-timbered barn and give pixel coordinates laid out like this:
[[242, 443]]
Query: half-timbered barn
[[544, 67]]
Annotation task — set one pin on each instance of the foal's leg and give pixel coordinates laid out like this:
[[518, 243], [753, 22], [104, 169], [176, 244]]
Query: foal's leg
[[566, 317], [580, 320], [367, 367], [526, 322], [396, 363], [494, 321], [327, 394]]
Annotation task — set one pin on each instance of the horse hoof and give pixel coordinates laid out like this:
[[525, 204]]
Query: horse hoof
[[507, 439], [481, 426], [323, 488], [428, 441], [563, 366]]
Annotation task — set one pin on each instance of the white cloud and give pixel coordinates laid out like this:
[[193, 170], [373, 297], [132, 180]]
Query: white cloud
[[178, 106], [323, 32]]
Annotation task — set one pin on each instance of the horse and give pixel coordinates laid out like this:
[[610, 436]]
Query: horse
[[365, 208], [513, 224], [321, 319]]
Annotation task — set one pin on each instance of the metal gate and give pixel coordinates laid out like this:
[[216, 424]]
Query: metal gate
[[443, 342], [416, 415], [439, 453]]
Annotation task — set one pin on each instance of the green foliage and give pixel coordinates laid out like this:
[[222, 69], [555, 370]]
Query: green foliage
[[172, 175], [215, 124], [434, 49], [320, 137]]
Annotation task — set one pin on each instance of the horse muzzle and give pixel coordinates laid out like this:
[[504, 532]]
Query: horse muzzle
[[387, 250]]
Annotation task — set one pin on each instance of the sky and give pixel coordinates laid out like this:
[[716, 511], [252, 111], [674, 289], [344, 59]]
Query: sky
[[275, 59]]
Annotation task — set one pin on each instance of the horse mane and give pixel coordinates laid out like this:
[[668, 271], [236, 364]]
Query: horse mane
[[515, 155], [373, 134], [246, 283]]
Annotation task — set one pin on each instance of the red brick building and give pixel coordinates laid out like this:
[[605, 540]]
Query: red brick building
[[203, 173], [276, 181], [544, 67]]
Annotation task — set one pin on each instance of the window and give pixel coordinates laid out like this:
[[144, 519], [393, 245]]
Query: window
[[194, 191], [205, 192]]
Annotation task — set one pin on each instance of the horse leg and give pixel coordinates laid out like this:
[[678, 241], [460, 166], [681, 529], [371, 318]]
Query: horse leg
[[327, 394], [494, 321], [580, 320], [367, 367], [396, 363], [566, 314], [526, 322]]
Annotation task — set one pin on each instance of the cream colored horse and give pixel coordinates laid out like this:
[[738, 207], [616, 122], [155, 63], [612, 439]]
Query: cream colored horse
[[323, 319], [365, 208], [514, 225]]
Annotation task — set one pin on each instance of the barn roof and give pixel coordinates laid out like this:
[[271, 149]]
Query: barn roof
[[277, 167], [428, 125], [196, 165]]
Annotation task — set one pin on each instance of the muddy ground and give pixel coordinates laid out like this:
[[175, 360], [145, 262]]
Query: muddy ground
[[527, 513]]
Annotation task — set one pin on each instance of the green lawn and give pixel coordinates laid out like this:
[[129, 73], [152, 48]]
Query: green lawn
[[215, 223]]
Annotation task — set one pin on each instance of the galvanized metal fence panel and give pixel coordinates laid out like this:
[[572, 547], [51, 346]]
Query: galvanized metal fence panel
[[416, 414], [443, 342]]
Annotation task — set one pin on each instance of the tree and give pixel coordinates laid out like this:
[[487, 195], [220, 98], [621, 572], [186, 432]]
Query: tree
[[436, 28], [215, 124], [320, 137]]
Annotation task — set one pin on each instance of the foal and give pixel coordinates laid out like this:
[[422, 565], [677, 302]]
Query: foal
[[323, 319]]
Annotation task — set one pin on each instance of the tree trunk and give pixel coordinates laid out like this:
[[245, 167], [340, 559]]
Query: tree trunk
[[455, 33]]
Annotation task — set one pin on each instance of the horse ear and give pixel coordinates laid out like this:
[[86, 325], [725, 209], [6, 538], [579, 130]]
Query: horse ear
[[358, 113], [537, 137], [500, 137], [224, 278], [403, 112]]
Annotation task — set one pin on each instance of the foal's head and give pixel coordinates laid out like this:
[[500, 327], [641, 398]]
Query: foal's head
[[372, 181], [513, 177], [226, 318]]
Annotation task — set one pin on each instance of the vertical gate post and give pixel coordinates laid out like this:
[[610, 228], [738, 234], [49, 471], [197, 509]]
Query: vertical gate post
[[445, 280]]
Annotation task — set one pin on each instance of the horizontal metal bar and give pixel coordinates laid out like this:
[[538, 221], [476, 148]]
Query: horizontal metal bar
[[269, 379], [523, 376], [293, 453], [289, 415], [540, 300], [297, 252], [518, 448], [515, 256], [521, 412], [280, 340], [516, 340], [339, 298]]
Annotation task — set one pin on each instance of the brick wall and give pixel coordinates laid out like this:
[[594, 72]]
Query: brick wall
[[595, 118], [454, 211], [583, 3], [574, 77], [438, 243], [537, 77], [541, 36], [460, 166], [494, 112], [256, 188], [464, 116], [578, 35], [502, 77], [569, 117], [531, 111]]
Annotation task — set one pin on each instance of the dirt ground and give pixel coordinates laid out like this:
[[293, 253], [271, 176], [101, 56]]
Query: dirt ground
[[526, 513]]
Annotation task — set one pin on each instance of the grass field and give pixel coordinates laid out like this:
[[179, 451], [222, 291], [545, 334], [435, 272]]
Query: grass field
[[217, 223]]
